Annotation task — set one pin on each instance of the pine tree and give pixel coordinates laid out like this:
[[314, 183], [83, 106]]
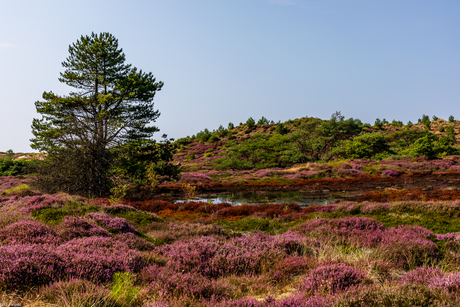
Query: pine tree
[[107, 115]]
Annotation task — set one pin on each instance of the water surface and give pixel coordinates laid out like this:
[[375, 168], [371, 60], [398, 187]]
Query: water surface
[[263, 197]]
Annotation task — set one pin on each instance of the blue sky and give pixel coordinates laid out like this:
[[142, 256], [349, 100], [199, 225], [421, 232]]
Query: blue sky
[[227, 60]]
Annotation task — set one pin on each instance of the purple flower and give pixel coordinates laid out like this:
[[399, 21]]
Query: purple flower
[[98, 258], [112, 224], [332, 279], [26, 265]]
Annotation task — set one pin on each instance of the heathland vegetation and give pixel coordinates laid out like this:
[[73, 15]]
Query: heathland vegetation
[[96, 221], [392, 240]]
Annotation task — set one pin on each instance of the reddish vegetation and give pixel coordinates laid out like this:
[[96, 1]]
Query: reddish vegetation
[[385, 196], [318, 186], [196, 210]]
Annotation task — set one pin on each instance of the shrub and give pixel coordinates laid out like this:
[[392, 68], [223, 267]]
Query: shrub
[[134, 242], [292, 266], [375, 209], [449, 282], [451, 119], [250, 123], [112, 224], [230, 126], [378, 123], [364, 146], [213, 258], [407, 247], [213, 138], [395, 295], [424, 147], [331, 279], [421, 275], [26, 265], [173, 284], [29, 232], [74, 227], [263, 121], [396, 123], [98, 258], [357, 231], [281, 129], [204, 135]]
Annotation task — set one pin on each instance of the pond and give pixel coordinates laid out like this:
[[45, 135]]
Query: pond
[[263, 197]]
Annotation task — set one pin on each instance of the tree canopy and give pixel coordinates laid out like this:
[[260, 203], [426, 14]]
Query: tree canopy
[[103, 121]]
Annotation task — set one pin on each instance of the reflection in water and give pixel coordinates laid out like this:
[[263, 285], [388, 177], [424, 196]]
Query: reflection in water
[[261, 197]]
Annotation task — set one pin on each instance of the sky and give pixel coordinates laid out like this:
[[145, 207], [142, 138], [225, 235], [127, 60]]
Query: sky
[[227, 60]]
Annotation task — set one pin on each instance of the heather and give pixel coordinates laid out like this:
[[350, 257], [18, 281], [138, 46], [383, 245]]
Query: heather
[[65, 250]]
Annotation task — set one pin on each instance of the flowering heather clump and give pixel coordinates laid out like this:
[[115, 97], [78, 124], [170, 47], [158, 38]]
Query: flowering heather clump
[[448, 236], [73, 227], [394, 295], [184, 231], [8, 182], [408, 247], [29, 232], [263, 173], [172, 284], [294, 244], [134, 242], [331, 279], [326, 208], [26, 265], [292, 266], [112, 224], [357, 231], [449, 283], [98, 258], [211, 257], [309, 174], [421, 275], [390, 173]]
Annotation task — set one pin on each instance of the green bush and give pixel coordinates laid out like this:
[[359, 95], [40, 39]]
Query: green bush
[[281, 129], [263, 121], [397, 123], [221, 131], [451, 119], [204, 135], [424, 147], [250, 123], [363, 146], [213, 138], [378, 123], [191, 156], [441, 129]]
